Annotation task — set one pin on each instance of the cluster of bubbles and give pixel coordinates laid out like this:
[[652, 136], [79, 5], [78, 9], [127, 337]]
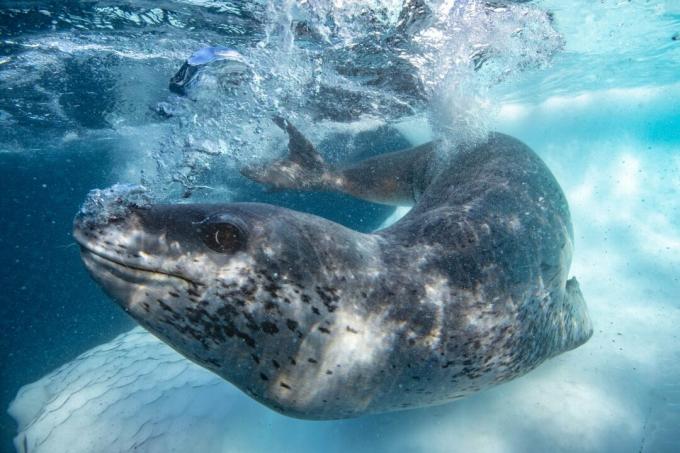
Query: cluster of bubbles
[[324, 63], [106, 205]]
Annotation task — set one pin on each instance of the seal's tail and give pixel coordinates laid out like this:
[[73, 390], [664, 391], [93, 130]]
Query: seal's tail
[[302, 169]]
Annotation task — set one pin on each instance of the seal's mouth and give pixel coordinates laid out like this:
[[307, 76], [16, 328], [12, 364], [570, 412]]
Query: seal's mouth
[[104, 267], [132, 287], [98, 263]]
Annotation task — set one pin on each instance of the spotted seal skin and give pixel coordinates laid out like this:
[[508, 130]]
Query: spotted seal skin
[[318, 321]]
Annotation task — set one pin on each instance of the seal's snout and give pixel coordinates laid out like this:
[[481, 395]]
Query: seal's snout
[[102, 205], [116, 248], [101, 219], [105, 206]]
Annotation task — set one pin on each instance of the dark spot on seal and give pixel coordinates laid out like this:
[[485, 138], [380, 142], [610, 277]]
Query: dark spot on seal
[[276, 364], [291, 324], [264, 377], [249, 288], [349, 329], [284, 385], [269, 327], [311, 360], [213, 362], [252, 322], [245, 337], [173, 294], [271, 288], [165, 306], [328, 297], [239, 302], [255, 358], [324, 330]]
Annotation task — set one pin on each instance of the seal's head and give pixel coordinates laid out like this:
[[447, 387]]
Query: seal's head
[[234, 287]]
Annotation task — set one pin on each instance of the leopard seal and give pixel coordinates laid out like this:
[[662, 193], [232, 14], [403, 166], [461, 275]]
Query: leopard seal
[[470, 289]]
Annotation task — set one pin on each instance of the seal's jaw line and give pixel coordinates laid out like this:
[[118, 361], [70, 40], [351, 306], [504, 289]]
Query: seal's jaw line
[[132, 288], [97, 262]]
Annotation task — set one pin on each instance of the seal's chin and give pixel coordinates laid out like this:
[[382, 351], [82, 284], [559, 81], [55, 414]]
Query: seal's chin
[[126, 284]]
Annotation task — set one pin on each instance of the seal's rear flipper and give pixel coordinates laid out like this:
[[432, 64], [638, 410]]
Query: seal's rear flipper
[[300, 149], [302, 169], [393, 178]]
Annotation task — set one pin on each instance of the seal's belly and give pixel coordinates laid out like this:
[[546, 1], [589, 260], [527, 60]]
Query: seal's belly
[[423, 342]]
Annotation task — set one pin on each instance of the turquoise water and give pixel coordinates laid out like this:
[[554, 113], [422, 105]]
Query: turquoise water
[[594, 88]]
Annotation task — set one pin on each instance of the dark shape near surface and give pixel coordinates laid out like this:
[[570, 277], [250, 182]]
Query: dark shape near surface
[[470, 289], [231, 62]]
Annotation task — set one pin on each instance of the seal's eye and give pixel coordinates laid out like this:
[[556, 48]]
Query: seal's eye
[[222, 235]]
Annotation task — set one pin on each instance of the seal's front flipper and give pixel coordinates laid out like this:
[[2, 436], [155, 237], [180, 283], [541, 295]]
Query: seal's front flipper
[[576, 325], [302, 169]]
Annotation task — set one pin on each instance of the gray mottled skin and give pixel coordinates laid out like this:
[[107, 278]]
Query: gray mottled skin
[[317, 321]]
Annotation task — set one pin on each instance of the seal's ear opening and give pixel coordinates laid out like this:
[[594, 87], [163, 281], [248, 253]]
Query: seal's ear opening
[[223, 233]]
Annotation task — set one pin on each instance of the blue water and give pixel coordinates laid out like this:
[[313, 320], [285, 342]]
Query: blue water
[[85, 103]]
